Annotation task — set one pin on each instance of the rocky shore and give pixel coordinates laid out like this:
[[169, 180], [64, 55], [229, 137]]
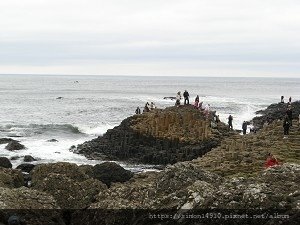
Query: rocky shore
[[227, 175], [275, 112]]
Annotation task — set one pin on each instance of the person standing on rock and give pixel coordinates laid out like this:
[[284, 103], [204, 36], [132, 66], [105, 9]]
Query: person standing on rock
[[282, 99], [152, 106], [286, 125], [244, 127], [289, 113], [218, 119], [178, 98], [230, 118], [290, 100], [196, 101], [207, 110], [186, 97], [138, 110], [271, 161], [146, 108]]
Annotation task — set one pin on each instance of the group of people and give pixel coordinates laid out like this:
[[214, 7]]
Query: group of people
[[186, 97], [282, 100], [147, 108]]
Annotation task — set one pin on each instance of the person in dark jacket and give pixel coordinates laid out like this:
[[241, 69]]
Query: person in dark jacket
[[186, 97], [218, 119], [289, 113], [282, 99], [230, 118], [138, 110], [286, 125], [244, 127]]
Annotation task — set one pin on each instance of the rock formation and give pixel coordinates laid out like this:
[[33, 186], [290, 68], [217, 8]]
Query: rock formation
[[14, 145], [4, 162], [158, 137], [110, 172], [275, 112]]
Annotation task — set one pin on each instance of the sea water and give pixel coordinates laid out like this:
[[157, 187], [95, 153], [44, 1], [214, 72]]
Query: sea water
[[74, 109]]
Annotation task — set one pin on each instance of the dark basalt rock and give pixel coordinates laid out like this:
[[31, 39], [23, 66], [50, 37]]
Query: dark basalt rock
[[110, 172], [14, 157], [26, 167], [29, 158], [4, 162], [14, 145], [124, 143], [275, 112], [5, 140], [52, 140]]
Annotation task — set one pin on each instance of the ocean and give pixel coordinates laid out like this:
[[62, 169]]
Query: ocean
[[74, 109]]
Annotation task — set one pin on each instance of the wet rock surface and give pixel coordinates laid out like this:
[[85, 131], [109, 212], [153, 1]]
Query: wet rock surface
[[5, 162], [29, 158], [14, 145], [69, 193], [5, 140], [11, 178], [25, 167], [110, 172], [158, 137]]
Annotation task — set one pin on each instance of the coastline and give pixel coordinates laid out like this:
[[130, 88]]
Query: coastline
[[229, 176]]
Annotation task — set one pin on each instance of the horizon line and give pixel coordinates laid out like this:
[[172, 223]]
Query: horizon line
[[126, 75]]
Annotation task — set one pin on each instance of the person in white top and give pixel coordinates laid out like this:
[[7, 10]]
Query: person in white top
[[178, 98]]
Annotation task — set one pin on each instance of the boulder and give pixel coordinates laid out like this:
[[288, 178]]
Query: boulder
[[4, 162], [24, 198], [69, 193], [15, 157], [110, 172], [87, 169], [5, 140], [52, 140], [29, 158], [11, 178], [70, 170], [25, 167], [29, 206], [14, 145]]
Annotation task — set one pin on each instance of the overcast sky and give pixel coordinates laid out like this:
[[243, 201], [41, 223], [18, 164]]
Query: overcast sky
[[154, 37]]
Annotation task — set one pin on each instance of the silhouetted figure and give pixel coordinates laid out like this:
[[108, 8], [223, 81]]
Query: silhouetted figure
[[286, 125], [186, 97], [217, 119], [146, 108], [289, 113], [244, 127], [290, 100], [196, 101], [200, 106], [138, 110], [178, 98], [282, 99], [230, 118]]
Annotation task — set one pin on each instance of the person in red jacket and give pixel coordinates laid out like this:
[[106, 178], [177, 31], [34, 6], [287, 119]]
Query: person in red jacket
[[271, 161]]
